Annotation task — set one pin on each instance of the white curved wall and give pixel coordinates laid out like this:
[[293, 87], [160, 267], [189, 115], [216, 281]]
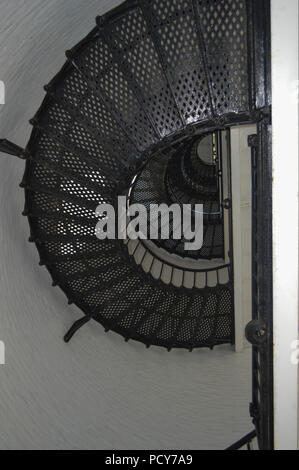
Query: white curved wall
[[96, 392]]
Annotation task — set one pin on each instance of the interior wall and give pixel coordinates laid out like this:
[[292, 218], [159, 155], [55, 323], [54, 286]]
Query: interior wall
[[97, 392], [285, 122], [241, 195]]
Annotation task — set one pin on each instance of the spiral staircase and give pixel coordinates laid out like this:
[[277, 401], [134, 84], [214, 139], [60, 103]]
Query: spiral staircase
[[127, 115]]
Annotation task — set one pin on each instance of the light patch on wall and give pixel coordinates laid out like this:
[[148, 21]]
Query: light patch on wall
[[295, 91], [2, 353], [295, 353], [2, 92]]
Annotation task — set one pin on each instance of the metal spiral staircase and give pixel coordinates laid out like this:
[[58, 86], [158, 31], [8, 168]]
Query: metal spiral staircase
[[126, 116]]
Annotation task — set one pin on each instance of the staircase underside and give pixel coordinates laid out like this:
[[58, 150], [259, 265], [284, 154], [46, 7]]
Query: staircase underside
[[149, 78]]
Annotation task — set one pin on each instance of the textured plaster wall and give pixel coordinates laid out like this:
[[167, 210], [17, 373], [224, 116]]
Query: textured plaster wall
[[241, 194], [97, 392]]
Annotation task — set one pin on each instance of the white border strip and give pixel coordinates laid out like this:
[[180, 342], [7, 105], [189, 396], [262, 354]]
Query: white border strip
[[285, 218], [237, 237]]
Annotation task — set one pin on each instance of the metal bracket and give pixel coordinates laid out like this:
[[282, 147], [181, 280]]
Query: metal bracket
[[76, 326], [245, 441], [226, 204], [12, 149], [256, 332], [253, 412], [253, 140]]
